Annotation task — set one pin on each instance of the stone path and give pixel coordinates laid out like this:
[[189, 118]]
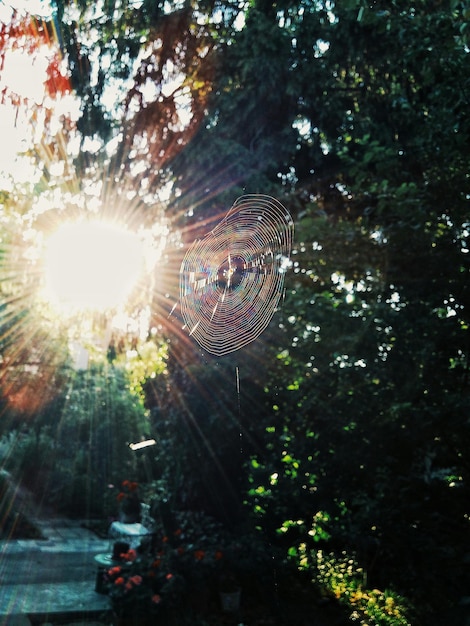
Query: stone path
[[41, 579], [51, 582]]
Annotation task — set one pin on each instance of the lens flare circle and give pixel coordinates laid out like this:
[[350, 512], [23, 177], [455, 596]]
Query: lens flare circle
[[231, 281]]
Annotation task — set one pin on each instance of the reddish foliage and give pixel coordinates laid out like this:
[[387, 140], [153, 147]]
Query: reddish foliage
[[33, 37], [56, 83]]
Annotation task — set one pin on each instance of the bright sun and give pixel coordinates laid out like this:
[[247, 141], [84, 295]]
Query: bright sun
[[91, 265]]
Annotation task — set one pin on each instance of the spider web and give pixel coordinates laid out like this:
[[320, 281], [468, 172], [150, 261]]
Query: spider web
[[231, 281]]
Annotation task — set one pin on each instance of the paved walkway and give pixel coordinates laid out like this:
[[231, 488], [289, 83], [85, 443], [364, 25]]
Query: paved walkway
[[54, 576], [51, 582]]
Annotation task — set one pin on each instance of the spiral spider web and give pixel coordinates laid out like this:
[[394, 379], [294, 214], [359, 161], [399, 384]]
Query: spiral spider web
[[231, 281]]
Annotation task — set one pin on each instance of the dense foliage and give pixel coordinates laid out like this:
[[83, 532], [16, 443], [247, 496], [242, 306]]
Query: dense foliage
[[343, 432], [364, 114], [72, 453]]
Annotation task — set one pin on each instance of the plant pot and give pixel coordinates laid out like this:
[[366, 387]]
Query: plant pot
[[230, 600]]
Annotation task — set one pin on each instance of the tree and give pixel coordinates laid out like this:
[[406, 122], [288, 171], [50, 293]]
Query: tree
[[375, 341], [371, 425], [155, 65], [77, 446]]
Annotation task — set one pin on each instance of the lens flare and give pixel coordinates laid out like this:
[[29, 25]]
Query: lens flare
[[92, 265]]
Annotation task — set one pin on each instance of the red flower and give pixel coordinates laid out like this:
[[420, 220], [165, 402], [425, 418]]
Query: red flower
[[180, 550], [169, 576], [199, 555], [119, 581], [137, 580], [130, 555], [156, 598], [218, 555], [120, 496], [129, 486], [178, 532]]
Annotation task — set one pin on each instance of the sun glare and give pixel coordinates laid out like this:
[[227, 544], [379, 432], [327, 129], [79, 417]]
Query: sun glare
[[91, 265]]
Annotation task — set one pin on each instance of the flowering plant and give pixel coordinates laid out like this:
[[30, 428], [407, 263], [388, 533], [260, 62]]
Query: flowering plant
[[142, 585], [192, 558], [128, 490], [129, 502]]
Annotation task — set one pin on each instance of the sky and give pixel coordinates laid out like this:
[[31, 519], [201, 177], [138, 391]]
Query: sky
[[23, 75]]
